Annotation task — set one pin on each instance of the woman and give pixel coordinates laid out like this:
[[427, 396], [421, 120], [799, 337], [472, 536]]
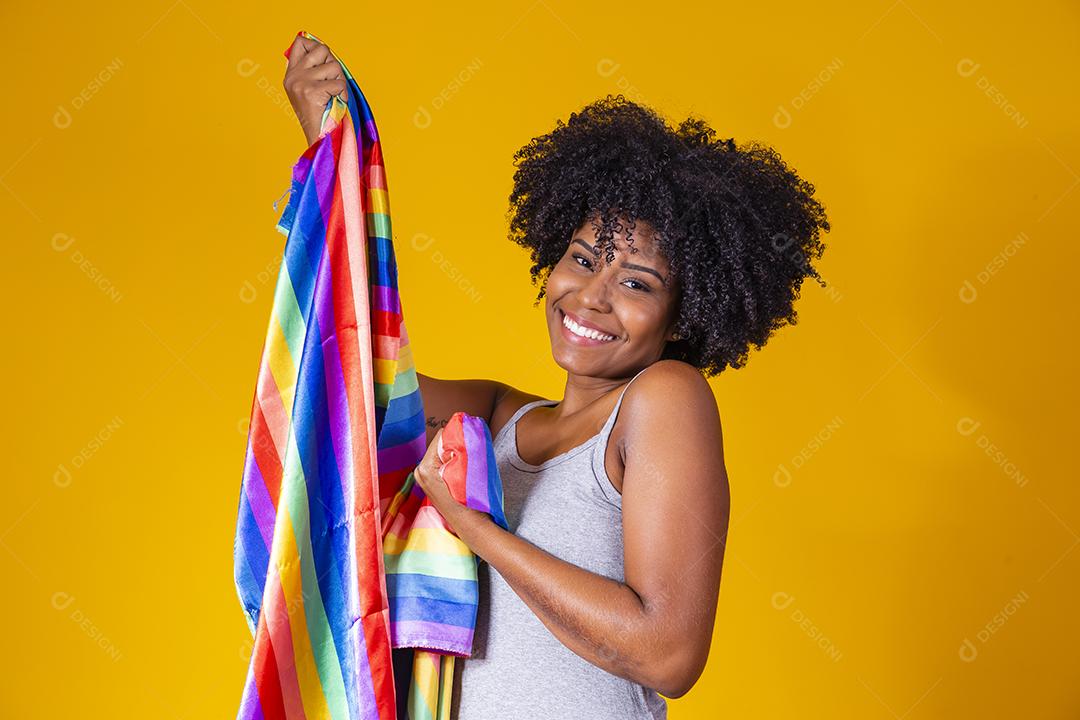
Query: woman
[[665, 254]]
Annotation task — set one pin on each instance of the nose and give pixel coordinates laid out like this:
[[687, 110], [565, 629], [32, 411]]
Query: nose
[[594, 292]]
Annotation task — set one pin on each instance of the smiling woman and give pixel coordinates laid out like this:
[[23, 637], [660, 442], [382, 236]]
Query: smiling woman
[[665, 255]]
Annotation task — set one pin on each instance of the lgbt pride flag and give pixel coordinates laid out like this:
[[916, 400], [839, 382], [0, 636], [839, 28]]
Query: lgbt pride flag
[[328, 498]]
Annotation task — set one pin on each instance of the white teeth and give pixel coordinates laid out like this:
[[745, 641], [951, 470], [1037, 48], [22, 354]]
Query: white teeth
[[585, 332]]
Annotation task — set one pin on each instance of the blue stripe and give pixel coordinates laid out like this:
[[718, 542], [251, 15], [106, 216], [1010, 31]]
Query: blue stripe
[[405, 407], [253, 559], [425, 586], [429, 610], [399, 432], [329, 521], [495, 488]]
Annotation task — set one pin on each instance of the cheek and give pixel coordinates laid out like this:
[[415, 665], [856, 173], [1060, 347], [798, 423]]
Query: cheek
[[642, 319], [559, 279]]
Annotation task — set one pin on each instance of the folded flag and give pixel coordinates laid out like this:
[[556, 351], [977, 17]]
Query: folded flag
[[337, 426], [430, 572]]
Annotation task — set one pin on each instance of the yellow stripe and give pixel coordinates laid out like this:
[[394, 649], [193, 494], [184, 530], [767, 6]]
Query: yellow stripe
[[429, 540], [423, 695], [280, 362], [405, 358], [446, 686], [384, 370], [292, 587], [378, 201]]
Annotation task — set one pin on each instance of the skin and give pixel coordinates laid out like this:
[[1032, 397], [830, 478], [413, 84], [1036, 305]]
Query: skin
[[665, 454], [312, 77]]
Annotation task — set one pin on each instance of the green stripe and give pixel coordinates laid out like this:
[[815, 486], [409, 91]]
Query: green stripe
[[288, 312], [458, 567], [378, 224], [327, 663], [405, 383]]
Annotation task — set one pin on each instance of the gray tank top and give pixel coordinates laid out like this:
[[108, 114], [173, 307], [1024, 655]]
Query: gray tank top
[[519, 669]]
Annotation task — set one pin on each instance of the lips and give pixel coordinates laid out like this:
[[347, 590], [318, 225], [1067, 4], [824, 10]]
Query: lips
[[565, 316], [588, 326]]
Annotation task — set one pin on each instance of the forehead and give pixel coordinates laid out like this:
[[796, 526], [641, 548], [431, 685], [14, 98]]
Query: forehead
[[646, 249]]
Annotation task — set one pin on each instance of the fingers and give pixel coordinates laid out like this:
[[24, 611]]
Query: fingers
[[299, 48], [330, 87], [326, 71], [316, 55]]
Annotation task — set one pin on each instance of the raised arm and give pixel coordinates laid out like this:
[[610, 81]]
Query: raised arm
[[312, 77]]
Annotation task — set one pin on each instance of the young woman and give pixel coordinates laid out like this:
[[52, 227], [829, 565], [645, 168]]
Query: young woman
[[664, 255]]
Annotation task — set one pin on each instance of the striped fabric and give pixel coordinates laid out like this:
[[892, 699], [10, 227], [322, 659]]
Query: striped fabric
[[430, 572], [337, 425]]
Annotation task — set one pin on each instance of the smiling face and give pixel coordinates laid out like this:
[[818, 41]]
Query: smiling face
[[610, 319]]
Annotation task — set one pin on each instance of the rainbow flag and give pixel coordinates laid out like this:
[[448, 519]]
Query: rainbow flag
[[431, 575], [337, 426]]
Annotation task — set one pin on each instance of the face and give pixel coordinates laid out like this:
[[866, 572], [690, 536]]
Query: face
[[625, 310]]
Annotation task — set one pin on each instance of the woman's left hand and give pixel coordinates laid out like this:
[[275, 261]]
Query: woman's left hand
[[427, 477]]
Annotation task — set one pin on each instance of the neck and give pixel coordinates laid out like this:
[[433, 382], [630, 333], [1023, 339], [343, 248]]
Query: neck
[[581, 391]]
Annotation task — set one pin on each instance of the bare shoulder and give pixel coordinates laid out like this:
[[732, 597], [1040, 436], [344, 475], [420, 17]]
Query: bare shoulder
[[507, 402], [670, 401]]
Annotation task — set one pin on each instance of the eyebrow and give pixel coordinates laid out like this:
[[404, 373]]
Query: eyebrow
[[627, 265]]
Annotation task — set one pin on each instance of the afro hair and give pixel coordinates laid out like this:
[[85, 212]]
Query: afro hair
[[737, 226]]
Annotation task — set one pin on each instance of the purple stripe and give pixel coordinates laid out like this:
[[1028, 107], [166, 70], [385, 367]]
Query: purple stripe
[[476, 478], [401, 456], [250, 707], [325, 176], [432, 636], [258, 497], [336, 394], [385, 298], [366, 689], [301, 169], [341, 440]]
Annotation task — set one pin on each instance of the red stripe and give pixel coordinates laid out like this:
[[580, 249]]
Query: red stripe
[[386, 323], [374, 604], [391, 481], [270, 464], [265, 670]]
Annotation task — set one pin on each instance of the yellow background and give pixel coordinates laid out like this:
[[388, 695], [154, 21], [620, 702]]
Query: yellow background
[[905, 516]]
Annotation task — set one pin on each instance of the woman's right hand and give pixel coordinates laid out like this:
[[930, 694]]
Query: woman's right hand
[[312, 77]]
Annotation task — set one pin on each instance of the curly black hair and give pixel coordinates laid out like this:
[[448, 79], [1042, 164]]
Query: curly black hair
[[737, 226]]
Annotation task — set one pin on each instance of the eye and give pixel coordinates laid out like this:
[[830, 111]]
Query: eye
[[634, 284]]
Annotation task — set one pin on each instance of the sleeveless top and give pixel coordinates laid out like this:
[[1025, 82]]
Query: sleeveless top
[[519, 669]]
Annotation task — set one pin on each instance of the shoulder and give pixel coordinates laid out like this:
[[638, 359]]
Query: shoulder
[[508, 400], [670, 400], [670, 382]]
